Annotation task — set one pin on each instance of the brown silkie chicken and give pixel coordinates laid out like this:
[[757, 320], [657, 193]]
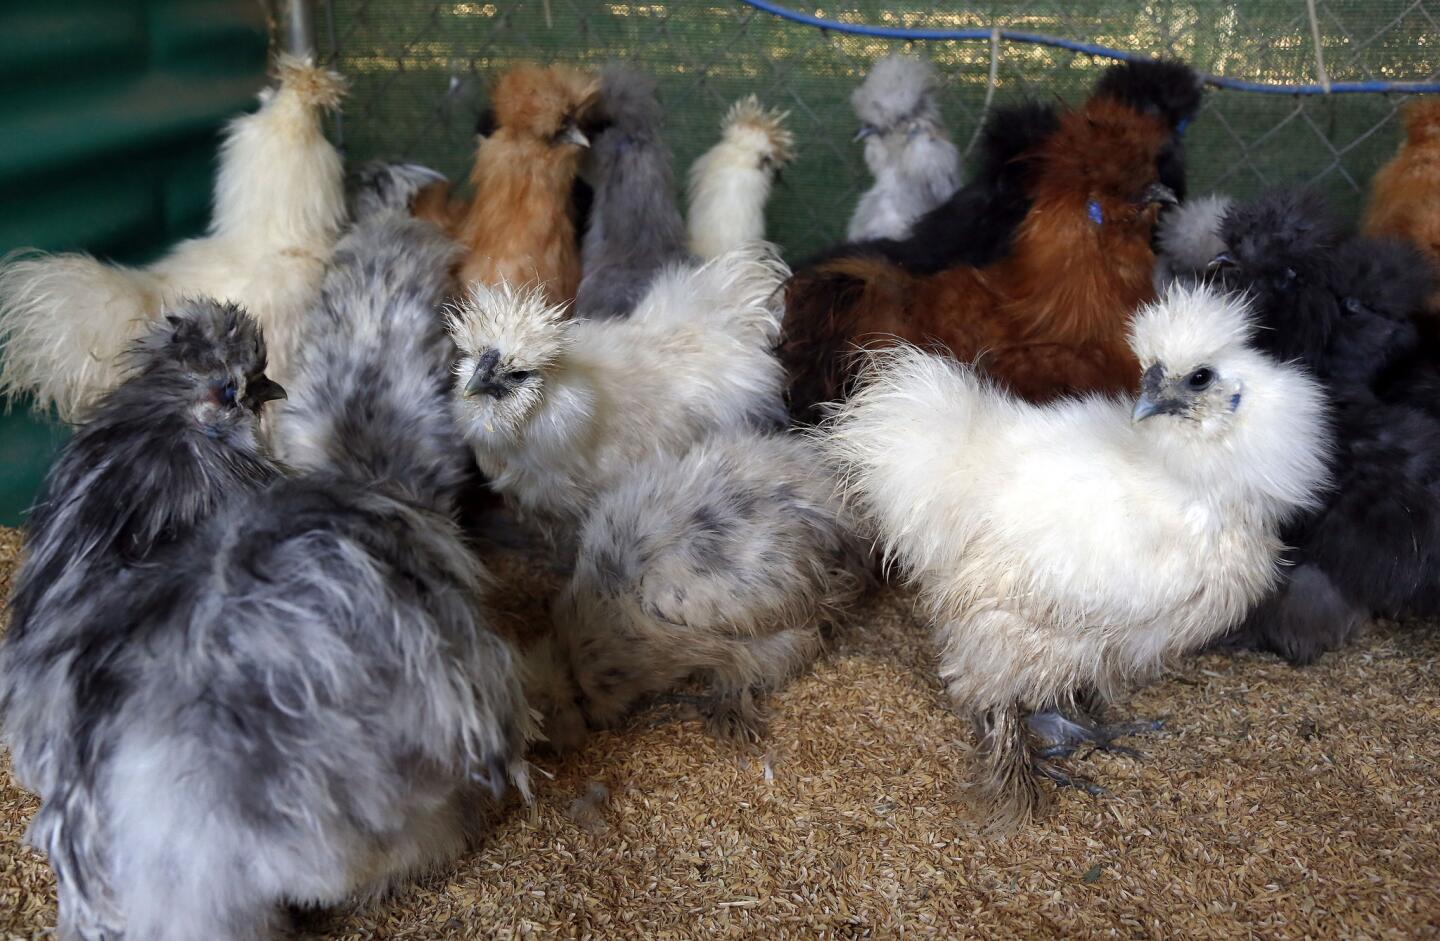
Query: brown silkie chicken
[[518, 227], [1046, 320], [1405, 194]]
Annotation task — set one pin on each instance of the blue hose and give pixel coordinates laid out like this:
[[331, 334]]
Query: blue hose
[[1219, 81]]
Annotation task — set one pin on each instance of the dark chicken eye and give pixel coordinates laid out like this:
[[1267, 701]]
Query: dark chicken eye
[[1200, 379], [226, 394], [520, 375]]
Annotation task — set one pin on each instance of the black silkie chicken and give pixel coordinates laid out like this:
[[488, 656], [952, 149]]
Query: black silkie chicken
[[297, 699], [1343, 307]]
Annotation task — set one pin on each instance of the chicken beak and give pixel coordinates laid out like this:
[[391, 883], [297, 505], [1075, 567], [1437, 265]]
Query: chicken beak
[[573, 135], [478, 381], [1221, 262], [1147, 407], [264, 389], [482, 380], [1144, 408], [1159, 193], [866, 130]]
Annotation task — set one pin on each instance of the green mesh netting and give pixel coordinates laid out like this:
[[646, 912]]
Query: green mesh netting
[[421, 70]]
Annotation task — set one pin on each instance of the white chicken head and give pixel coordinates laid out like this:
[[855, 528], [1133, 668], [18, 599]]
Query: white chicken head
[[510, 340], [757, 137], [1195, 361]]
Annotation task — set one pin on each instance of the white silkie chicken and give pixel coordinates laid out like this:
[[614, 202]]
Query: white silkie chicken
[[279, 206], [730, 183], [1064, 551]]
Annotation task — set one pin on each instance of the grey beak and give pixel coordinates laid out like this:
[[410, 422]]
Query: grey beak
[[573, 135], [1159, 193], [479, 379], [1220, 262], [1144, 408], [865, 131]]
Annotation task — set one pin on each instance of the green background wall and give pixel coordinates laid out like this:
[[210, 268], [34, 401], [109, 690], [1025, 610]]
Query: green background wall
[[108, 135], [420, 70]]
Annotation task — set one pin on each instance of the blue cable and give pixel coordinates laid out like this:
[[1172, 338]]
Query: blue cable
[[1219, 81]]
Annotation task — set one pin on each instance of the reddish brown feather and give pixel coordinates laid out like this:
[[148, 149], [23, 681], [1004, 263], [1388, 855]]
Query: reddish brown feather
[[1405, 194], [519, 227], [1049, 319]]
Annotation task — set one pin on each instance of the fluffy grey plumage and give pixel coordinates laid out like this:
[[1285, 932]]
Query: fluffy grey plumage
[[635, 227], [374, 352], [297, 700], [164, 450], [897, 89], [722, 564], [915, 166], [1188, 239], [378, 187]]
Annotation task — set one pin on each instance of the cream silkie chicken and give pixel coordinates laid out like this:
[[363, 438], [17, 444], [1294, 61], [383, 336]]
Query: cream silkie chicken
[[1065, 550], [558, 410], [279, 206], [730, 183]]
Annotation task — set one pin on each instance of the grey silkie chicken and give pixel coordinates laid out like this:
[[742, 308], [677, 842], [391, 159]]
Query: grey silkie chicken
[[635, 228], [299, 699], [914, 163]]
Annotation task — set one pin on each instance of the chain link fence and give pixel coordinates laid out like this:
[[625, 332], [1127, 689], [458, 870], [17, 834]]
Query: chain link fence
[[420, 72]]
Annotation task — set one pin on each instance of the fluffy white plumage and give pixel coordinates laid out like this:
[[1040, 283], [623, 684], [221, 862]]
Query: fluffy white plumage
[[722, 563], [557, 410], [1070, 549], [914, 163], [279, 205], [1188, 239], [730, 183]]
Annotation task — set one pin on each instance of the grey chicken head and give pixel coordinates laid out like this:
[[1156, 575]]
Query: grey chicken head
[[210, 359]]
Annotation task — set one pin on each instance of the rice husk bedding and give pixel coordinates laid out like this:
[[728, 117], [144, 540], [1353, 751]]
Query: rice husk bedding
[[1280, 802]]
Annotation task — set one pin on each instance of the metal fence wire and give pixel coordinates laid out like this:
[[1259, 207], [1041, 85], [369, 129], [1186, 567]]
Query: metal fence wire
[[420, 72]]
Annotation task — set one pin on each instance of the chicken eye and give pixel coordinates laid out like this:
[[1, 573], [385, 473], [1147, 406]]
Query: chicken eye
[[1200, 379], [520, 375], [226, 394]]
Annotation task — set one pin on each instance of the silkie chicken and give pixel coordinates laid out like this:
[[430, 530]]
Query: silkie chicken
[[1345, 309], [558, 411], [279, 206], [1405, 194], [299, 700], [977, 224], [724, 563], [519, 226], [730, 183], [1187, 240], [914, 163], [379, 187], [1047, 320], [1066, 550], [635, 228]]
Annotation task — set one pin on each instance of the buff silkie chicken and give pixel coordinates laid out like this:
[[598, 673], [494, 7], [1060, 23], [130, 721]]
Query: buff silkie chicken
[[279, 206], [915, 165], [1063, 551], [557, 410], [520, 224], [730, 183]]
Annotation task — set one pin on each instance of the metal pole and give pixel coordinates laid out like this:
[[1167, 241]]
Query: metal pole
[[297, 26]]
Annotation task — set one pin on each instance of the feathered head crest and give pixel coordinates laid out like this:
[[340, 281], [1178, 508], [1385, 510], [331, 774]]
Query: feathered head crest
[[748, 114]]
